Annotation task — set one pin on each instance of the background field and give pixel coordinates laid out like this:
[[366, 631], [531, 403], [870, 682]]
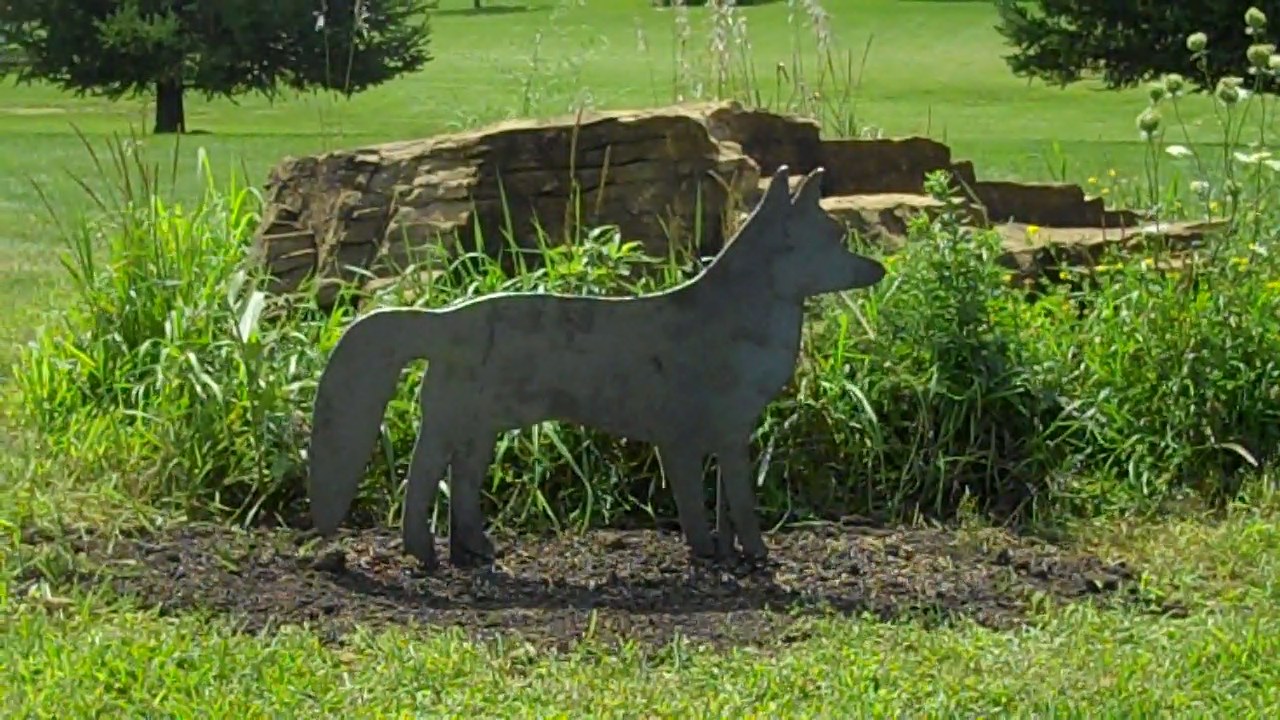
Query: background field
[[932, 68]]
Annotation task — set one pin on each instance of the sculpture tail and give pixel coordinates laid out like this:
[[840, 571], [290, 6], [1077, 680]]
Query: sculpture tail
[[357, 384]]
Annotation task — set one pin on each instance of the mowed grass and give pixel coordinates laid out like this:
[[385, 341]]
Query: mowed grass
[[78, 657], [933, 68]]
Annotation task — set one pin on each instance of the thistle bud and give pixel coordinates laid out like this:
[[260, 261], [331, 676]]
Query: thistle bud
[[1228, 90], [1149, 122], [1260, 55], [1255, 19]]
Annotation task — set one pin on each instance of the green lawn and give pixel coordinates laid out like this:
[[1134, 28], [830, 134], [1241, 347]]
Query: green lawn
[[76, 657], [933, 68]]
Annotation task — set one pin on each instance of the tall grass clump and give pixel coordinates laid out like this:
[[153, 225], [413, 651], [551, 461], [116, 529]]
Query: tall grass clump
[[174, 368], [817, 79], [161, 366]]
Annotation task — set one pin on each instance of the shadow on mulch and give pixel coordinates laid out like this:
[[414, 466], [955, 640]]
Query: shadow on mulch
[[629, 586]]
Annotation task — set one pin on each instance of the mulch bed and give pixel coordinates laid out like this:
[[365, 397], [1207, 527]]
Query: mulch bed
[[635, 586]]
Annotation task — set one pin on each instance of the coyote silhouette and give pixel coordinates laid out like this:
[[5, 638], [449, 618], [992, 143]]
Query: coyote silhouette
[[690, 370]]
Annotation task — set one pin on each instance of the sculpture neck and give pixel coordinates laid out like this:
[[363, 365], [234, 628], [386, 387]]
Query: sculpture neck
[[742, 267]]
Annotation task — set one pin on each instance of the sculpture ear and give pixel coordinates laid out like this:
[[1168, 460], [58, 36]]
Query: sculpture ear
[[810, 190], [778, 194]]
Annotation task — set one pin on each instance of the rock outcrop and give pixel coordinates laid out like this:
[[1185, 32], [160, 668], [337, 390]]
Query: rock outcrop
[[348, 215], [675, 176], [1034, 252]]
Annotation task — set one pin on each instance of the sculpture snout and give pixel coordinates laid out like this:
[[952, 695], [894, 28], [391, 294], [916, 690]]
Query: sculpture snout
[[865, 272]]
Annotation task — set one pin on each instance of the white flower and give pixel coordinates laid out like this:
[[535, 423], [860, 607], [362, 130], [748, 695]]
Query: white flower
[[1200, 188], [1252, 158], [1273, 164], [1178, 151]]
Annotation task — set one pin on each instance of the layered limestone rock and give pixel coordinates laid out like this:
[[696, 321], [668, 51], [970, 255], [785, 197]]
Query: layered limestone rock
[[679, 176], [354, 215]]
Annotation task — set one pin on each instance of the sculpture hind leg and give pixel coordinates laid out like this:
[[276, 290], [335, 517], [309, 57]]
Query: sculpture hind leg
[[434, 450], [427, 465], [468, 544]]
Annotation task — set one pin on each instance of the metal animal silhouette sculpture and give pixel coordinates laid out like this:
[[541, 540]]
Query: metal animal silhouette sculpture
[[690, 369]]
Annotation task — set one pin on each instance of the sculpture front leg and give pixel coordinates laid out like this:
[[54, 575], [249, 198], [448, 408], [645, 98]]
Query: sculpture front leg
[[682, 468], [468, 544], [725, 535]]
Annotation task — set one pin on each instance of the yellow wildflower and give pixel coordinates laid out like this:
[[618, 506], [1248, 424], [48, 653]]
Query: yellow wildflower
[[1111, 172], [1093, 181], [1240, 261]]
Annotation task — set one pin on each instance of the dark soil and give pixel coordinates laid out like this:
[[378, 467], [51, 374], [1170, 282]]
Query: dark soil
[[636, 586]]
